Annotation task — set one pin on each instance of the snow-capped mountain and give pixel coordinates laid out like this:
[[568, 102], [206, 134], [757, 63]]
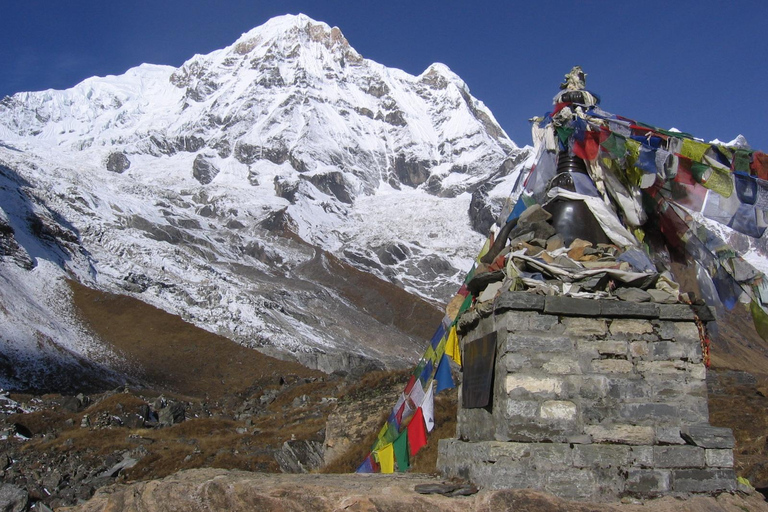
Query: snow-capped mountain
[[239, 190]]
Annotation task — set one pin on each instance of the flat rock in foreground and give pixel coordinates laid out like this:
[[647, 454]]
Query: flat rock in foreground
[[217, 489]]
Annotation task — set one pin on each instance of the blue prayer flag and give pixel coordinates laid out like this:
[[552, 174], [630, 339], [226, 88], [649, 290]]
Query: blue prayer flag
[[439, 334], [443, 375], [366, 466], [426, 373]]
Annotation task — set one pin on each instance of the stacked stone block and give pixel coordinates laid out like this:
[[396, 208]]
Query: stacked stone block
[[591, 399]]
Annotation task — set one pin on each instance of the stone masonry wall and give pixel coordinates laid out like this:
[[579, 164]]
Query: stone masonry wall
[[591, 399]]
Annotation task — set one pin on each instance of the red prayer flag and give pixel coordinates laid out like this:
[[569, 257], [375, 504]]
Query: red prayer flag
[[759, 165], [399, 414], [684, 174], [409, 386], [417, 433], [588, 148]]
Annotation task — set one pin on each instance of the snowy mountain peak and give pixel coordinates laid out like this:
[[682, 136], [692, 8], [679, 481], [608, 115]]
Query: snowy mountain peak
[[222, 189], [295, 28]]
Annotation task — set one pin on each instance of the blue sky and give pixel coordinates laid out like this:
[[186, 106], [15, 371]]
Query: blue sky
[[699, 66]]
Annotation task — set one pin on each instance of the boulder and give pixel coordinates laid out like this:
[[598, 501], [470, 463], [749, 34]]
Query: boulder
[[13, 498], [117, 162], [171, 414]]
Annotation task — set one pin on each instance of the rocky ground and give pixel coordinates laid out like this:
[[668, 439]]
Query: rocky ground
[[233, 424], [211, 489]]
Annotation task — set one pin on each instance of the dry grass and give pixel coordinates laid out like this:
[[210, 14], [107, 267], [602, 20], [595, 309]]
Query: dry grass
[[445, 428], [168, 353], [351, 459]]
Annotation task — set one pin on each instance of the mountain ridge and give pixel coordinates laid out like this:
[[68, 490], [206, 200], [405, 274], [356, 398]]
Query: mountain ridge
[[210, 189]]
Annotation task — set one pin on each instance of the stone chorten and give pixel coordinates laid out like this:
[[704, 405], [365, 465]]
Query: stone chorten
[[584, 396]]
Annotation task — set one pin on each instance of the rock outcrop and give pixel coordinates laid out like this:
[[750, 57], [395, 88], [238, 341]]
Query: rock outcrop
[[216, 489]]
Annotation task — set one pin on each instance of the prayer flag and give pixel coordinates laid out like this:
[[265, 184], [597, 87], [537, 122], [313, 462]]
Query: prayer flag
[[745, 221], [443, 375], [387, 458], [693, 149], [741, 160], [746, 187], [759, 165], [417, 433], [400, 447], [428, 408], [426, 374], [452, 349], [727, 289], [367, 466], [760, 318], [439, 333], [587, 146], [409, 386], [416, 395]]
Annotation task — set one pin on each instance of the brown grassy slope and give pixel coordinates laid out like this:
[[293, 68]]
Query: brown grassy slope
[[738, 383], [169, 353], [384, 301]]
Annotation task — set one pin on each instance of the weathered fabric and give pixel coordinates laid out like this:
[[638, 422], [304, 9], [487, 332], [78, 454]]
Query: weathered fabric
[[428, 408], [400, 448], [417, 433], [452, 348], [386, 456], [443, 375]]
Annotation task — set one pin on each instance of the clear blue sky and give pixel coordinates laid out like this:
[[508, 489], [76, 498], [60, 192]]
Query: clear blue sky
[[699, 66]]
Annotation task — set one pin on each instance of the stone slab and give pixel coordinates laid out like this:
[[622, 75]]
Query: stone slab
[[571, 307], [623, 309], [678, 457], [719, 458], [519, 301], [707, 436], [624, 434], [601, 455], [648, 482], [676, 312], [703, 480]]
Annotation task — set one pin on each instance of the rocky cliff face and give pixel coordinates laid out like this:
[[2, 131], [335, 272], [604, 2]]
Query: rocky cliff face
[[225, 190]]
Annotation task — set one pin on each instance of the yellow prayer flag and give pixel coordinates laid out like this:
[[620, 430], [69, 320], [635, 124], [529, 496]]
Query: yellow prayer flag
[[440, 350], [386, 457], [430, 354], [693, 149], [719, 181], [485, 248], [452, 349]]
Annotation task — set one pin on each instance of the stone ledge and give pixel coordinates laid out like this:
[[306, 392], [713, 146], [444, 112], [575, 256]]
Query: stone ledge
[[571, 306], [600, 472], [519, 301], [623, 309], [678, 312]]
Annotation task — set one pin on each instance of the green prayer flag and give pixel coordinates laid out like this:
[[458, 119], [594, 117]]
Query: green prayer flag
[[420, 367], [700, 171], [401, 451], [615, 145], [465, 305], [741, 159], [564, 134], [760, 318], [677, 135], [470, 274]]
